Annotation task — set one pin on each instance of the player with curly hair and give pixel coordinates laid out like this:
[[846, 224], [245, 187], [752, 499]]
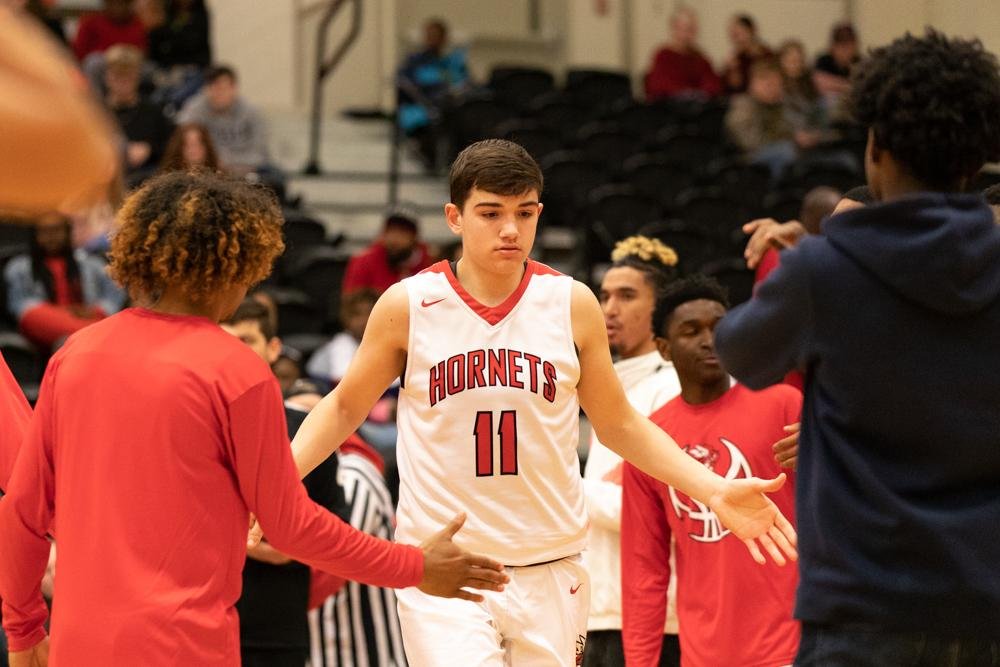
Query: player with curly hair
[[640, 271], [156, 433], [893, 316]]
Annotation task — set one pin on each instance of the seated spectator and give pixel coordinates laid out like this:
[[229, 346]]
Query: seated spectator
[[747, 49], [145, 127], [360, 619], [680, 68], [425, 82], [53, 291], [180, 48], [182, 39], [801, 96], [287, 368], [189, 148], [236, 127], [396, 254], [761, 124], [329, 363], [117, 23], [833, 68]]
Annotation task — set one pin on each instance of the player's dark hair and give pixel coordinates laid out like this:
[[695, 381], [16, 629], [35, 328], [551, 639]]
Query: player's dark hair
[[198, 232], [216, 72], [494, 165], [992, 195], [933, 103], [692, 288], [252, 310], [656, 261], [861, 194]]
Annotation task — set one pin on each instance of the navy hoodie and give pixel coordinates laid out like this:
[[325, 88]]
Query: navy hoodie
[[894, 316]]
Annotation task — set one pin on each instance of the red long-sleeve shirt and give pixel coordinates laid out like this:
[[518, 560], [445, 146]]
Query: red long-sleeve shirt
[[98, 33], [15, 413], [370, 268], [730, 610], [676, 73], [153, 437]]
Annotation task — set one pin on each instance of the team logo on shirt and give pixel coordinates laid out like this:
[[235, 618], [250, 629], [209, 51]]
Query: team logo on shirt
[[728, 462]]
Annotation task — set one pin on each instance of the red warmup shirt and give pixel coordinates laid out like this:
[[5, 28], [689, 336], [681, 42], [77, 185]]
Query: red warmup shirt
[[153, 437], [15, 413], [675, 73], [370, 268], [97, 33], [730, 610], [768, 263]]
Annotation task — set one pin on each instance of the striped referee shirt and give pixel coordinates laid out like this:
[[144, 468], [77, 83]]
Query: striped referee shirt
[[359, 626]]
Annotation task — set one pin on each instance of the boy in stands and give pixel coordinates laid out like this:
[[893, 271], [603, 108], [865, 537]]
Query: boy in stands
[[730, 611], [156, 433], [496, 354]]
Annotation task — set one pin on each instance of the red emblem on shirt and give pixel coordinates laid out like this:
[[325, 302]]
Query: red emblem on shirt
[[728, 462]]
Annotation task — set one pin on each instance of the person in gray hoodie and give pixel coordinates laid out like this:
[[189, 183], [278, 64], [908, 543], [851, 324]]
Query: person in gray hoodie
[[894, 317], [236, 127]]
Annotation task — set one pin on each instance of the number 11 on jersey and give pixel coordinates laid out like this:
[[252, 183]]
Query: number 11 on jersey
[[507, 431]]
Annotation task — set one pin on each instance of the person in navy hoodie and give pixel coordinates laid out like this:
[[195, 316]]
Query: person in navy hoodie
[[894, 316]]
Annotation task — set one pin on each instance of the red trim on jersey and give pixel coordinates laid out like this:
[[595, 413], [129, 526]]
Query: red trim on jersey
[[492, 314]]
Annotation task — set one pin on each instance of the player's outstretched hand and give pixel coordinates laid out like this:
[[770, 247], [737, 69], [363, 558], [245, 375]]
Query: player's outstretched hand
[[449, 569], [743, 508], [767, 233], [786, 450], [36, 656]]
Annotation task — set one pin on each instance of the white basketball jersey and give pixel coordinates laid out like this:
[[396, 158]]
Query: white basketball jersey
[[489, 418]]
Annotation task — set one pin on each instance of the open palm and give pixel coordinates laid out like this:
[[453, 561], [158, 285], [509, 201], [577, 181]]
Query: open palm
[[743, 508]]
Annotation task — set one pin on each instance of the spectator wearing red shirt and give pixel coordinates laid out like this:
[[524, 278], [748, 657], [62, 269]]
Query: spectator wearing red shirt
[[680, 68], [396, 254], [731, 611], [159, 433], [116, 24]]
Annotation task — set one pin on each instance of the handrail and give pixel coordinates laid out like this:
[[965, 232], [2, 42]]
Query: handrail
[[325, 67]]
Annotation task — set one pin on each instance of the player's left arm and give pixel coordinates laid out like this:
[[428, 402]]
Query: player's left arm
[[740, 504]]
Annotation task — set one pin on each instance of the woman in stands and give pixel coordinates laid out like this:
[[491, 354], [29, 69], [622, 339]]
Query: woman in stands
[[190, 147], [54, 290]]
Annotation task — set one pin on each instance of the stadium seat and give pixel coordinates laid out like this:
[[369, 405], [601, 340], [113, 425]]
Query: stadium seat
[[644, 120], [734, 275], [608, 142], [537, 139], [318, 272], [693, 245], [713, 209], [296, 312], [806, 175], [24, 360], [598, 89], [656, 177], [783, 205], [557, 111], [615, 212], [687, 147], [518, 86], [476, 118], [748, 183], [569, 177]]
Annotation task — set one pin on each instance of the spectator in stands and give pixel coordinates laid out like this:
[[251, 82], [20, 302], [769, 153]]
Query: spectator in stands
[[54, 291], [143, 123], [180, 47], [115, 24], [236, 127], [190, 147], [272, 607], [895, 314], [329, 363], [396, 254], [680, 68], [731, 611], [425, 82], [182, 39], [833, 68], [761, 124], [288, 368], [747, 49], [818, 204], [641, 270], [360, 620], [801, 96]]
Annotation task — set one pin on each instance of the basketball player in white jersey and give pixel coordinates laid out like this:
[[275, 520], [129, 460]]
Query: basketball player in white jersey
[[496, 353]]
